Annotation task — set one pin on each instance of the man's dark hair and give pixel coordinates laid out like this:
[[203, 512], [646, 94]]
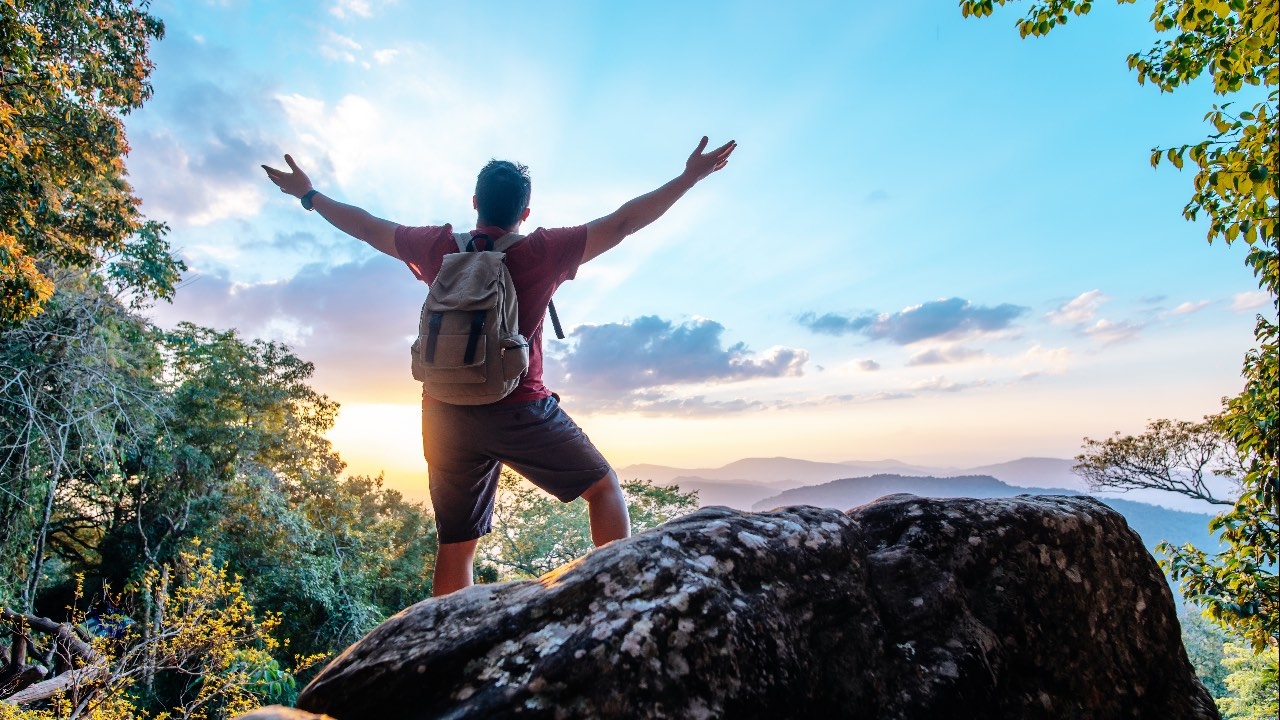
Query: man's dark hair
[[502, 192]]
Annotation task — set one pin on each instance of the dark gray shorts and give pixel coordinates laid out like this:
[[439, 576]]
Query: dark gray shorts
[[467, 445]]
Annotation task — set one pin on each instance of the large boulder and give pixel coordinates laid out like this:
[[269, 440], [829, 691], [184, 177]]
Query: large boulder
[[1028, 607]]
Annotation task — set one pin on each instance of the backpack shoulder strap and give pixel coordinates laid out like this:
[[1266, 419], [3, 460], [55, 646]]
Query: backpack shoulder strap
[[505, 242], [502, 244]]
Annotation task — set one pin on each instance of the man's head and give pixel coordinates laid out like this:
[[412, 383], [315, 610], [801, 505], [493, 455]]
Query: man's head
[[502, 194]]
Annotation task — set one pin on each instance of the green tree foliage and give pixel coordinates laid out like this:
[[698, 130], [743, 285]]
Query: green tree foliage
[[1251, 681], [1236, 188], [1205, 642], [69, 70], [77, 398], [534, 533], [121, 444]]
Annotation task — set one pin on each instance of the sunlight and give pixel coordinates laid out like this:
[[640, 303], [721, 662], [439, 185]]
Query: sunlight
[[386, 439]]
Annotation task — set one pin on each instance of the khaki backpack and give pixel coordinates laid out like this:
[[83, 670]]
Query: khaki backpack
[[469, 350]]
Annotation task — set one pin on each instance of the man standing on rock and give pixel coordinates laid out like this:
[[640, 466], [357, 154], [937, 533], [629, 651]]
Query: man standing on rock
[[466, 445]]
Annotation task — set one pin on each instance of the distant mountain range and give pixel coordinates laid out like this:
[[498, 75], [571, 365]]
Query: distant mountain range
[[743, 483], [766, 483], [852, 492]]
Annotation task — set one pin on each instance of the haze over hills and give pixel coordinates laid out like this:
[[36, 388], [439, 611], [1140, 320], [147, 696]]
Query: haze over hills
[[743, 483], [1153, 523], [1027, 472], [851, 492], [774, 471], [1033, 472]]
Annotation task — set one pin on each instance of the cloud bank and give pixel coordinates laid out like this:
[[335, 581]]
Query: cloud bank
[[937, 319], [354, 321], [642, 364]]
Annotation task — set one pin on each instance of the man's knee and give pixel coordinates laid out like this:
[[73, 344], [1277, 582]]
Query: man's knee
[[453, 567], [457, 551], [607, 485]]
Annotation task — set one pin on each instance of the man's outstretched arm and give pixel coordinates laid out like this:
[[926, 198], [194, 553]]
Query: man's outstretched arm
[[354, 221], [608, 231]]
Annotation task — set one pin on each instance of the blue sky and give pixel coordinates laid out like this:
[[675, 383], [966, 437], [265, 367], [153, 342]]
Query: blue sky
[[936, 242]]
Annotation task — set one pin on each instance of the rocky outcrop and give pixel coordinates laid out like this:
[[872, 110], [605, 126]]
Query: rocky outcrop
[[1028, 607], [276, 712]]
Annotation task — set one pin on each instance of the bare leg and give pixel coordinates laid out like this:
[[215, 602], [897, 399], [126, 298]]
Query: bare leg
[[607, 508], [453, 567]]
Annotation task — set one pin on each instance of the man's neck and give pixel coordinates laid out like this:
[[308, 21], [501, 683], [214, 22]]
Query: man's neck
[[481, 223]]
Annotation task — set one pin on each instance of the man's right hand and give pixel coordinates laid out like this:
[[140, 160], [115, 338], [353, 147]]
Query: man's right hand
[[700, 164]]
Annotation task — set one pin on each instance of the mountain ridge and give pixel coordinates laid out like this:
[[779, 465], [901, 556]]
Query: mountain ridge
[[753, 484]]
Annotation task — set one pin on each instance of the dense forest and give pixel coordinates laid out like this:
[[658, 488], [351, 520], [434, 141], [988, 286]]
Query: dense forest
[[172, 494], [178, 536]]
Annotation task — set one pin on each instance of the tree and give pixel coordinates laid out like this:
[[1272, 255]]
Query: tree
[[1237, 188], [1205, 642], [69, 72], [1173, 456], [195, 648], [534, 533], [1251, 679], [78, 394], [121, 444]]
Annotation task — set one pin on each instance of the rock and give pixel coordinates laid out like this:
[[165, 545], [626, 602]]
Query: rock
[[1028, 607], [279, 712]]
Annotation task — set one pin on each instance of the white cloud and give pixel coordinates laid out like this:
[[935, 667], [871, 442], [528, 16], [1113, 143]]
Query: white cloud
[[340, 47], [348, 135], [939, 383], [1108, 332], [383, 57], [945, 355], [1189, 307], [408, 147], [1039, 359], [1248, 301], [344, 41], [1078, 311], [344, 9], [197, 181]]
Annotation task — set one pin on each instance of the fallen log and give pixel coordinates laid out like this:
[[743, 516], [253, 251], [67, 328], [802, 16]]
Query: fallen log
[[62, 683]]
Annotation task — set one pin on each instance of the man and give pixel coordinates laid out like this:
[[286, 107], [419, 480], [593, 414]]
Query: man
[[466, 445]]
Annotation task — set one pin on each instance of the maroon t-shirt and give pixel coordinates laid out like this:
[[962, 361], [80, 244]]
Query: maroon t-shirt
[[538, 264]]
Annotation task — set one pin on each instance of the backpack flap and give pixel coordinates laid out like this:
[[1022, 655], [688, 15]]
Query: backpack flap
[[467, 282]]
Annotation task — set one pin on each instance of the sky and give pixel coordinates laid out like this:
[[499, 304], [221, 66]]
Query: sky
[[936, 242]]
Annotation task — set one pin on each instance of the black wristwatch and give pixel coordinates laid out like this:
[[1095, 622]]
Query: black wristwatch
[[306, 198]]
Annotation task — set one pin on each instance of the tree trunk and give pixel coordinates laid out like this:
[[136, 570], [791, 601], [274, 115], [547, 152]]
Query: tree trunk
[[35, 565]]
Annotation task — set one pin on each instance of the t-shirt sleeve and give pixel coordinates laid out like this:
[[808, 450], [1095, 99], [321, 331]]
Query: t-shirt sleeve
[[564, 248], [419, 248]]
